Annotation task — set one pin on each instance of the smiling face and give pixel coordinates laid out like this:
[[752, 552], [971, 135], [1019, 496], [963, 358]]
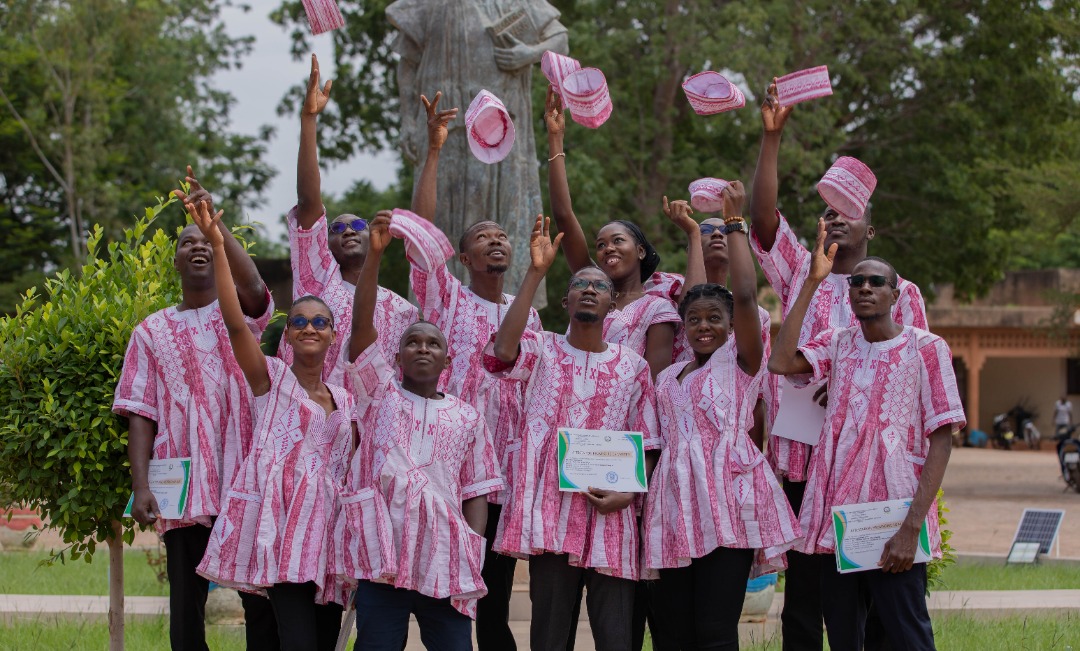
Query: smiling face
[[707, 323], [350, 247], [194, 257], [714, 245], [307, 339], [617, 252], [422, 355], [868, 302], [851, 234], [485, 248], [588, 303]]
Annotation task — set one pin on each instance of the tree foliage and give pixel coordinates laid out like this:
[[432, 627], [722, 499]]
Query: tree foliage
[[951, 104]]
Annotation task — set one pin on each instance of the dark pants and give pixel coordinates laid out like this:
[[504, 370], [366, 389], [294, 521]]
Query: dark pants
[[493, 610], [646, 611], [801, 621], [554, 585], [302, 624], [382, 620], [702, 603], [184, 549], [899, 599]]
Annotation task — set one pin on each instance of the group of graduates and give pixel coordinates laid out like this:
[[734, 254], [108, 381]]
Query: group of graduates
[[401, 459]]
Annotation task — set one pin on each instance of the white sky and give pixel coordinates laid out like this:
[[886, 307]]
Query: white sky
[[258, 87]]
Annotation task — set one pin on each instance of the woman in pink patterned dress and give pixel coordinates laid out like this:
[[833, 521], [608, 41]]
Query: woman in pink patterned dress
[[273, 530], [713, 500], [414, 507]]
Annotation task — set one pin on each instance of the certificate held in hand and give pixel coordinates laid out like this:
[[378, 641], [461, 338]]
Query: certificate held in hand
[[168, 479], [861, 531], [601, 459]]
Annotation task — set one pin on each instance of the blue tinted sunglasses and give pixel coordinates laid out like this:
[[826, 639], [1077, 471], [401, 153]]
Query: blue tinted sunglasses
[[337, 228], [320, 323]]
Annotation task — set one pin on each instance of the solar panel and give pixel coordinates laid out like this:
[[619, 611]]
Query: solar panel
[[1039, 526]]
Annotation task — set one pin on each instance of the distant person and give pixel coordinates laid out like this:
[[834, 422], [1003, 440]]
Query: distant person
[[893, 406], [1062, 416]]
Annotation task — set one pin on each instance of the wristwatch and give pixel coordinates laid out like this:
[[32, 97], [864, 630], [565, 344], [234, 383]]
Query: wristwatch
[[736, 226]]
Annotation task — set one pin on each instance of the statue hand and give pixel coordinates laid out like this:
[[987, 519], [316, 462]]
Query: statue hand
[[516, 57]]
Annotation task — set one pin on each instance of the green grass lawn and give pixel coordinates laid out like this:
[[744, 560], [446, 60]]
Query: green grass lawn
[[22, 573], [1012, 577]]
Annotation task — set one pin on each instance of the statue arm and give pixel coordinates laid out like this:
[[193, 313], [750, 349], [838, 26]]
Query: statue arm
[[408, 91]]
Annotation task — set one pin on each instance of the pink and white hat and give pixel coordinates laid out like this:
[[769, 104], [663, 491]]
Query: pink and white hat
[[585, 94], [489, 128], [323, 15], [847, 187], [710, 93], [706, 194], [556, 67]]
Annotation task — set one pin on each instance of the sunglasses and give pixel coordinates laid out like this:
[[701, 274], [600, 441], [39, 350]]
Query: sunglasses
[[858, 280], [581, 284], [337, 228], [320, 323], [709, 229]]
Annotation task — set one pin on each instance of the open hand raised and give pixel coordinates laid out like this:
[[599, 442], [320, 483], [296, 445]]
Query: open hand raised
[[315, 100], [553, 112], [207, 222], [822, 261], [542, 249], [437, 120], [196, 192]]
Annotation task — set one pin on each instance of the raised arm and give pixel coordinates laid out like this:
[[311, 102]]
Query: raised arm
[[743, 281], [424, 196], [763, 198], [679, 213], [247, 282], [244, 344], [786, 358], [367, 286], [575, 247], [542, 252], [309, 205]]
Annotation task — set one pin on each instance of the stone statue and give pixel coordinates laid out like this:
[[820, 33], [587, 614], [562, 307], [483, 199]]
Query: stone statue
[[462, 47]]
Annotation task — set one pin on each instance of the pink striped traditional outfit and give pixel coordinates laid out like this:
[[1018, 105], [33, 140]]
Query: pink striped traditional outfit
[[885, 399], [316, 273], [711, 487], [401, 521], [179, 371], [567, 387], [630, 325], [786, 267], [276, 521], [468, 322]]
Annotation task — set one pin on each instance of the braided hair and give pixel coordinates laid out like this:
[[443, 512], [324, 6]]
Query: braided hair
[[707, 290], [652, 258]]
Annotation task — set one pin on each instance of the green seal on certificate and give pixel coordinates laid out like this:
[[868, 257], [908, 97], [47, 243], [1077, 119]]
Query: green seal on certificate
[[601, 459]]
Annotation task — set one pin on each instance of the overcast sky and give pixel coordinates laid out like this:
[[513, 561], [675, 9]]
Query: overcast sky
[[258, 87]]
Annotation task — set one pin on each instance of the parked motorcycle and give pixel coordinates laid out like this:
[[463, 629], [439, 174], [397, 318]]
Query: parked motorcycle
[[1068, 448], [1003, 432]]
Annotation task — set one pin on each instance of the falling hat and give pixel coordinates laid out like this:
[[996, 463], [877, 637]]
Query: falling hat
[[847, 186], [489, 128], [556, 67], [706, 194], [323, 15], [585, 94], [710, 93]]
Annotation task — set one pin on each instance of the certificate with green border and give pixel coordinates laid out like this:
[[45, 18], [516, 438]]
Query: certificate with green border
[[862, 530], [169, 480], [601, 459]]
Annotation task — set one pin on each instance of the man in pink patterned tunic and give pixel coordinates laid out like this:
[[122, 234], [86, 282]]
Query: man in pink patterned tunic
[[185, 396], [893, 407], [326, 261], [786, 263], [469, 316], [573, 380]]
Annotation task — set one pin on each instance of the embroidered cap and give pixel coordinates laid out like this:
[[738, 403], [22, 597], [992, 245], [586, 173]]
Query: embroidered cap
[[711, 93], [323, 15], [706, 194], [556, 67], [847, 187], [489, 128], [585, 94]]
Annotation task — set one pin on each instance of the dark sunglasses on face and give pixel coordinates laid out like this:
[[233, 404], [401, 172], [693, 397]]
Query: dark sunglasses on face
[[337, 228], [709, 229], [858, 280], [320, 323], [581, 284]]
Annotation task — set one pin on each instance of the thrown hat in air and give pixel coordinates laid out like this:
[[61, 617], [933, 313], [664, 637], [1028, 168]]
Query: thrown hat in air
[[711, 93], [556, 67], [489, 128], [847, 186], [706, 195], [323, 15], [585, 94]]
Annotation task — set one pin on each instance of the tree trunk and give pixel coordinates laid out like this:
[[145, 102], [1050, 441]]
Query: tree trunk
[[116, 588]]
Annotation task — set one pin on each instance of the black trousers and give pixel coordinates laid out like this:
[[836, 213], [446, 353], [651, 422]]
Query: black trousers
[[898, 599], [302, 624], [493, 610], [701, 603], [801, 620], [554, 585], [184, 550]]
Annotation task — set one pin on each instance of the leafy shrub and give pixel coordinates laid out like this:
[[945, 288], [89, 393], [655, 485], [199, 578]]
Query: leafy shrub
[[936, 568]]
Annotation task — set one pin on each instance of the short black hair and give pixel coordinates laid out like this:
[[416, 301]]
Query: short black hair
[[707, 290], [652, 258], [588, 267], [308, 298], [420, 322], [472, 227], [894, 279]]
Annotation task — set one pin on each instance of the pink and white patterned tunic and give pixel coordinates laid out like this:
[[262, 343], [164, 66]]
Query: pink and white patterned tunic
[[316, 273], [786, 267], [179, 371], [276, 520], [468, 322], [711, 487], [567, 387], [630, 326], [885, 400], [401, 520]]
